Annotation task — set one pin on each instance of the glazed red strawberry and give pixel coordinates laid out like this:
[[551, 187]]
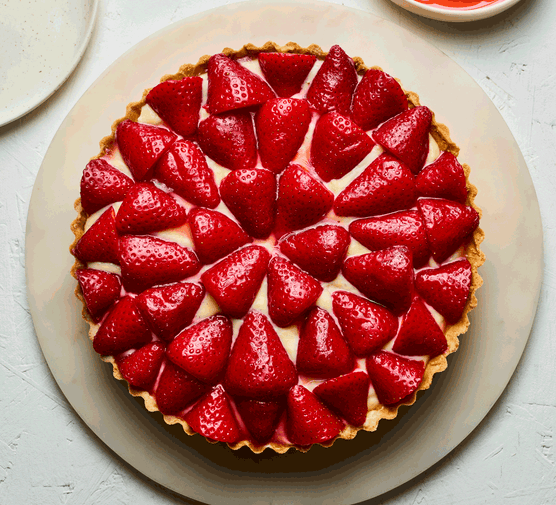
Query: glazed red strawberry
[[229, 139], [235, 281], [149, 261], [141, 145], [419, 333], [183, 168], [146, 209], [233, 86], [443, 178], [141, 368], [290, 291], [378, 97], [100, 241], [333, 86], [322, 351], [385, 276], [366, 326], [286, 72], [400, 228], [250, 194], [214, 418], [302, 200], [169, 309], [259, 367], [202, 349], [214, 234], [101, 185], [124, 328], [260, 418], [394, 377], [100, 290], [338, 146], [406, 136], [309, 421], [177, 389], [449, 225], [281, 125], [347, 395], [446, 288], [385, 186], [178, 103], [319, 251]]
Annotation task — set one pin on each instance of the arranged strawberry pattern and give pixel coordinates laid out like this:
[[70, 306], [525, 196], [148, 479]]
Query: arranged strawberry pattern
[[338, 146], [178, 103], [231, 303]]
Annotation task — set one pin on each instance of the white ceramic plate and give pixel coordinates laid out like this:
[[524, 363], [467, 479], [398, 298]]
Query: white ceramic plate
[[455, 15], [373, 463], [41, 43]]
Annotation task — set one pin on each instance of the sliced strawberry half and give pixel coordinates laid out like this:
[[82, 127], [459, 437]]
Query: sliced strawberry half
[[446, 288], [366, 326], [141, 145], [214, 418], [302, 200], [235, 281], [378, 97], [146, 209], [259, 367], [202, 349], [449, 225], [233, 86], [443, 178], [401, 228], [322, 351], [183, 168], [385, 186], [347, 395], [281, 125], [406, 136], [149, 261], [250, 194], [394, 377], [291, 292], [124, 328], [177, 389], [385, 276], [309, 421], [229, 139], [260, 418], [338, 146], [419, 333], [100, 241], [286, 72], [319, 251], [214, 234], [333, 86], [169, 309], [141, 368], [178, 103], [100, 290], [101, 185]]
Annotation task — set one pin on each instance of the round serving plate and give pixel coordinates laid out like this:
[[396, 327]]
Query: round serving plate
[[458, 15], [373, 463], [41, 44]]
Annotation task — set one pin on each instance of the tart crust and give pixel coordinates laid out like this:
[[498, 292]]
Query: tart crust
[[475, 256]]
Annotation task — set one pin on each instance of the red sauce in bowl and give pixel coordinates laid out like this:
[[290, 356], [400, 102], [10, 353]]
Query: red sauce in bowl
[[459, 4]]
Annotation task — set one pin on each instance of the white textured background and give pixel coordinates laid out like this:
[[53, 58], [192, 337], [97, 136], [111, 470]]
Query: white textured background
[[47, 454]]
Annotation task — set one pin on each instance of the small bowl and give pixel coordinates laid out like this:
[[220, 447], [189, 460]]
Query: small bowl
[[455, 14]]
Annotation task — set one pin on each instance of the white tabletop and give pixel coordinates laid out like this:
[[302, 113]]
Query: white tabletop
[[49, 456]]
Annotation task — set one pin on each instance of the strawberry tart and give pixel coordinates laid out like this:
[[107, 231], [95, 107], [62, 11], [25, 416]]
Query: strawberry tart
[[277, 247]]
